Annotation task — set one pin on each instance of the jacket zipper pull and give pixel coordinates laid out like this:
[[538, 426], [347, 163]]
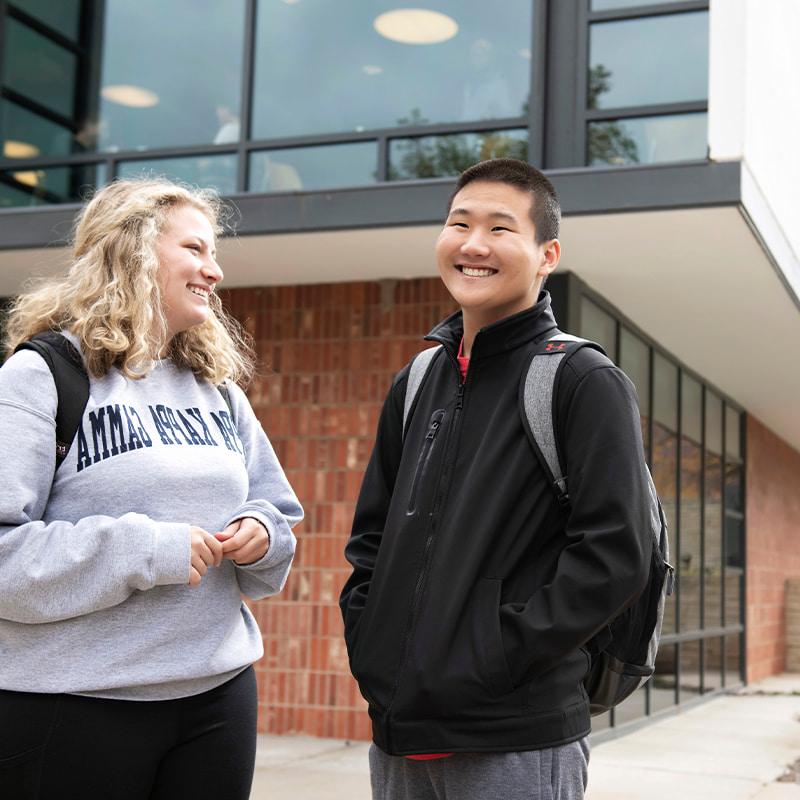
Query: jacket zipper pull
[[433, 429], [460, 397]]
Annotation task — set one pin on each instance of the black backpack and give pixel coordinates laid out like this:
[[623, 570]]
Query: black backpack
[[623, 654], [72, 385]]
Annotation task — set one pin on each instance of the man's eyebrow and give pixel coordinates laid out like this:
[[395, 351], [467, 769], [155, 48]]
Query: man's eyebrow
[[502, 215]]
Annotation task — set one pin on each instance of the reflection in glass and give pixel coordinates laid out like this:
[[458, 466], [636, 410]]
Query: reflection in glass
[[712, 675], [323, 68], [599, 326], [690, 670], [601, 721], [634, 360], [27, 135], [733, 428], [186, 110], [631, 708], [662, 684], [52, 185], [443, 156], [63, 16], [208, 172], [733, 660], [734, 568], [665, 453], [325, 167], [689, 557], [713, 511], [647, 140], [38, 68], [632, 63]]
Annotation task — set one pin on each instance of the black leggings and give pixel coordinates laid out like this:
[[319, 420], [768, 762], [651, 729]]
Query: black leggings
[[66, 747]]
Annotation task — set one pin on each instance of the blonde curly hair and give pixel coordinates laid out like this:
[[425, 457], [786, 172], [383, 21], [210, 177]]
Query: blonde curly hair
[[110, 297]]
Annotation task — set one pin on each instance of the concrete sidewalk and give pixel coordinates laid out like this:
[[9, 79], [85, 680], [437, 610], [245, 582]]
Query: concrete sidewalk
[[734, 747]]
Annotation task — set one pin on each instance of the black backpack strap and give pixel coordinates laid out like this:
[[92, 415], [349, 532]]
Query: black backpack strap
[[537, 396], [72, 384]]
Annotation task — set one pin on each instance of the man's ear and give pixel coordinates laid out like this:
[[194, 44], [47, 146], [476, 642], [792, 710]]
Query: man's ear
[[551, 255]]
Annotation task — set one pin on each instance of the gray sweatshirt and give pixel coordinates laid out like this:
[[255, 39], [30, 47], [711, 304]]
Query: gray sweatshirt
[[94, 563]]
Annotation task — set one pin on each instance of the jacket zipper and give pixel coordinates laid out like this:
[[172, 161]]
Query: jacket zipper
[[424, 458], [420, 584]]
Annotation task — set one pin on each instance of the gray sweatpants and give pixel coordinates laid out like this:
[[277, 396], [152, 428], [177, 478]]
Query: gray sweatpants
[[557, 773]]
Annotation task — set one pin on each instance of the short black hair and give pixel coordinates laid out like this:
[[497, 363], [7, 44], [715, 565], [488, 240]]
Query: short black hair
[[545, 208]]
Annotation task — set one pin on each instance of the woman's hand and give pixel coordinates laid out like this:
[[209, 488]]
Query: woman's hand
[[206, 552], [244, 541]]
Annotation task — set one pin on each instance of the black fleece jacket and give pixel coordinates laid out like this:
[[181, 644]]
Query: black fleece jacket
[[473, 592]]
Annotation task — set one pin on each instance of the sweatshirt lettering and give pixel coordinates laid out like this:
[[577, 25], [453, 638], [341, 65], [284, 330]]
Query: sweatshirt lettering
[[113, 430]]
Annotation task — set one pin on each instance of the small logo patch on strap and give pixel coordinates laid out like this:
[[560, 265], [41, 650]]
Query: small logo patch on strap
[[555, 347]]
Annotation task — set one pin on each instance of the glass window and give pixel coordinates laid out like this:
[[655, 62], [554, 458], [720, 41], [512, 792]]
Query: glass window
[[665, 398], [712, 663], [442, 156], [39, 68], [734, 568], [326, 66], [633, 62], [631, 708], [733, 428], [733, 660], [648, 140], [209, 172], [713, 511], [63, 16], [690, 670], [634, 360], [599, 326], [151, 94], [292, 169], [689, 557], [662, 686], [52, 185], [28, 135], [665, 450]]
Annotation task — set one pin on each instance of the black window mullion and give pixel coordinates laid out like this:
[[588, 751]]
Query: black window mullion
[[676, 523], [537, 91], [37, 108], [246, 97], [382, 156], [652, 10], [654, 110]]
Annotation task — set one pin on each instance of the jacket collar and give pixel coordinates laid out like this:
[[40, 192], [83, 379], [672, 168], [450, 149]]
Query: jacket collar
[[506, 334]]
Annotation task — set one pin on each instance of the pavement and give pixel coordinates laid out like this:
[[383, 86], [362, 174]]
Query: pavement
[[739, 746]]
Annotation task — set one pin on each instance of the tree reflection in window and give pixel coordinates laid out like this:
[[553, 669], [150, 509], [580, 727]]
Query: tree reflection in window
[[607, 142]]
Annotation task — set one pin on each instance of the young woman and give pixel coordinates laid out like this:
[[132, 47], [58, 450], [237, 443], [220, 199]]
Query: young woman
[[125, 647]]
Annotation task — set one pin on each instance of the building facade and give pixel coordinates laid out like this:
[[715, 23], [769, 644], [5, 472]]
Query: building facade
[[335, 131]]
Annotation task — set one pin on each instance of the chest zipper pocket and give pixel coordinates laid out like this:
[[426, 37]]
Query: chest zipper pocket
[[424, 458]]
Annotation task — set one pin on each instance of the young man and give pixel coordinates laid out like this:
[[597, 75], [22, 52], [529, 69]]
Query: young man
[[473, 592]]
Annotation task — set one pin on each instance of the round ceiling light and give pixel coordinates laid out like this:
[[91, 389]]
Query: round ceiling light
[[30, 178], [15, 149], [416, 26], [127, 95]]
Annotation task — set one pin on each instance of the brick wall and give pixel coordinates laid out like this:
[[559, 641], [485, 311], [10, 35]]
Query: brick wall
[[773, 545], [327, 355]]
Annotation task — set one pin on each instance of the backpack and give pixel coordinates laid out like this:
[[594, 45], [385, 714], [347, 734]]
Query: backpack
[[623, 653], [72, 385]]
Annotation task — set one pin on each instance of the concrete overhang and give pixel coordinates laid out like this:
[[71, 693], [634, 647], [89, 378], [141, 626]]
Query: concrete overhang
[[702, 281]]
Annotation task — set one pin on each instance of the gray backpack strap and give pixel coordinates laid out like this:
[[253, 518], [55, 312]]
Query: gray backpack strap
[[418, 370], [537, 396]]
